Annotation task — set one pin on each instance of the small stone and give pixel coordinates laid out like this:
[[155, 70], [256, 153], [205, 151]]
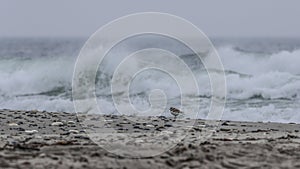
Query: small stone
[[73, 131], [136, 127], [71, 122], [225, 129], [227, 139], [38, 137], [31, 131], [34, 111], [57, 124], [166, 132], [139, 141], [125, 122], [194, 164], [13, 124], [150, 125], [42, 155], [225, 123], [2, 144], [168, 125]]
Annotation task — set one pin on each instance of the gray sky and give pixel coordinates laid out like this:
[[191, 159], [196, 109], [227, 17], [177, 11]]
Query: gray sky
[[226, 18]]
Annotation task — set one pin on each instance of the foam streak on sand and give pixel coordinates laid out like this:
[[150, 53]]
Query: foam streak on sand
[[234, 144]]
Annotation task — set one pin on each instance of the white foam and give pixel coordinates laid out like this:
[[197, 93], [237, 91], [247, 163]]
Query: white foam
[[33, 76]]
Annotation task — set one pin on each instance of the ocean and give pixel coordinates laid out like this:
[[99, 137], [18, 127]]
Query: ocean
[[262, 75]]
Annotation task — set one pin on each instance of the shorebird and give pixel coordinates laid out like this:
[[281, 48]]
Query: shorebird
[[175, 112]]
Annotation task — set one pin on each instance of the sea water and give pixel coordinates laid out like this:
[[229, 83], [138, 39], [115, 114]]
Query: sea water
[[262, 76]]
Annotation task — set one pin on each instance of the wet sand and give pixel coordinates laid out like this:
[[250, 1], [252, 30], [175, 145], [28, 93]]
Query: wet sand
[[32, 139]]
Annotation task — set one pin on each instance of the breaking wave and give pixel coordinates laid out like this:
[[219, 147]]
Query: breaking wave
[[260, 86]]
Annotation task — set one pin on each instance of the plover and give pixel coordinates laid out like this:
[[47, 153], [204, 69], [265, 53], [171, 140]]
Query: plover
[[175, 112]]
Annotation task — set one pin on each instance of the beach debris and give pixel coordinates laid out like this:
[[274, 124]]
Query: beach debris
[[12, 124], [175, 112], [31, 131], [57, 124]]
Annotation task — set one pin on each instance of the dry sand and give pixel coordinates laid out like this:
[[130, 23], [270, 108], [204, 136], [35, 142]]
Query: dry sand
[[32, 139]]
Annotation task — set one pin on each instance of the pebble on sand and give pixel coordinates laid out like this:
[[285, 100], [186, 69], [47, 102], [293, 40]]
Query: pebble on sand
[[71, 122], [150, 125], [57, 124], [12, 124], [73, 131], [31, 131]]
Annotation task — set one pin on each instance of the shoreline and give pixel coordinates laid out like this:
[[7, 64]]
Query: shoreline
[[34, 139]]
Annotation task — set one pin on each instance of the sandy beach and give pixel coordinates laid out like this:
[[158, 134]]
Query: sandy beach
[[154, 84], [33, 139]]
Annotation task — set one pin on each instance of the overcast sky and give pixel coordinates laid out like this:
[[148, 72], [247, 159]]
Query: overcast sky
[[226, 18]]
